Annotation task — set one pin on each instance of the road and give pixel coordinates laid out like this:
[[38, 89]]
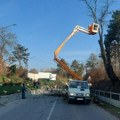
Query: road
[[52, 108]]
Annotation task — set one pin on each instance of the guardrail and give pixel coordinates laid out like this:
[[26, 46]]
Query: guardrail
[[109, 97]]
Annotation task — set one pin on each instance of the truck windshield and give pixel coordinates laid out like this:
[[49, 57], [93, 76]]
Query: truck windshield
[[76, 84]]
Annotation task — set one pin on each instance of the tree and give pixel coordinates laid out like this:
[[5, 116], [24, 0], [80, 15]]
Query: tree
[[61, 71], [99, 16], [115, 57], [77, 67], [21, 72], [112, 40], [91, 66], [21, 55], [35, 71], [95, 69], [7, 42], [92, 62], [12, 69]]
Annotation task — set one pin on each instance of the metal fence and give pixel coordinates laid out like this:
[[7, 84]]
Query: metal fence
[[110, 97]]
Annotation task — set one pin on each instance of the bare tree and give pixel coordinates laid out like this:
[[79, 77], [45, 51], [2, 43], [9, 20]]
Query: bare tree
[[7, 41], [99, 14]]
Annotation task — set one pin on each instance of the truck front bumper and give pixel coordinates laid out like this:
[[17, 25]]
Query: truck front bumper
[[76, 98]]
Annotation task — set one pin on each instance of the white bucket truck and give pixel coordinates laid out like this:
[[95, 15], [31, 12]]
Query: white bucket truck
[[78, 90]]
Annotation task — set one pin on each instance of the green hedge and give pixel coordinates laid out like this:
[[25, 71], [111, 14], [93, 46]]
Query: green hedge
[[12, 79], [9, 89]]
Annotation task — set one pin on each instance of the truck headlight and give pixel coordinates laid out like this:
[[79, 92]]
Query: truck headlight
[[87, 94], [72, 94]]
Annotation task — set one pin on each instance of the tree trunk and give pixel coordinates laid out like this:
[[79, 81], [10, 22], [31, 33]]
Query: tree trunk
[[109, 69], [107, 63], [111, 74]]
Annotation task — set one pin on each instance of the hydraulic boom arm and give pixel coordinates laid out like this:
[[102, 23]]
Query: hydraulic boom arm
[[92, 29]]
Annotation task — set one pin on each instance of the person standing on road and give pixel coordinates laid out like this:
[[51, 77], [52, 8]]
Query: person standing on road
[[23, 91]]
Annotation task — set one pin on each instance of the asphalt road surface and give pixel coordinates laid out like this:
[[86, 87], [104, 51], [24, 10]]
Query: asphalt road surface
[[52, 108]]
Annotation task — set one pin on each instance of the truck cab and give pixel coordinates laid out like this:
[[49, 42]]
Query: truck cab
[[78, 90]]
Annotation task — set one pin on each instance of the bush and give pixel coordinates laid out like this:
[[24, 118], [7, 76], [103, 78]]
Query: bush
[[106, 85], [4, 79], [16, 79], [9, 89]]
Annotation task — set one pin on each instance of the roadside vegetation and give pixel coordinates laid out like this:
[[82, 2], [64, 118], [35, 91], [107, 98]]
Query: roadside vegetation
[[13, 63], [110, 108], [10, 89]]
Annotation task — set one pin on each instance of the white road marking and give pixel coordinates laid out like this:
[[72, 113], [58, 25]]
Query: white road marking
[[48, 118]]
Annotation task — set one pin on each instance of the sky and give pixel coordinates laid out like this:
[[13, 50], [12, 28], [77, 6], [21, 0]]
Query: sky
[[42, 25]]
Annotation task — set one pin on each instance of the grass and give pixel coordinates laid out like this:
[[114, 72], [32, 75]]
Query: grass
[[111, 109]]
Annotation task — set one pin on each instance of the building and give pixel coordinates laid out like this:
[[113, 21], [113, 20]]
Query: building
[[41, 75]]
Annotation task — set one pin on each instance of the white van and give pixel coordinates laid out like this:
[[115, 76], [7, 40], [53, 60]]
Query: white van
[[78, 90]]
